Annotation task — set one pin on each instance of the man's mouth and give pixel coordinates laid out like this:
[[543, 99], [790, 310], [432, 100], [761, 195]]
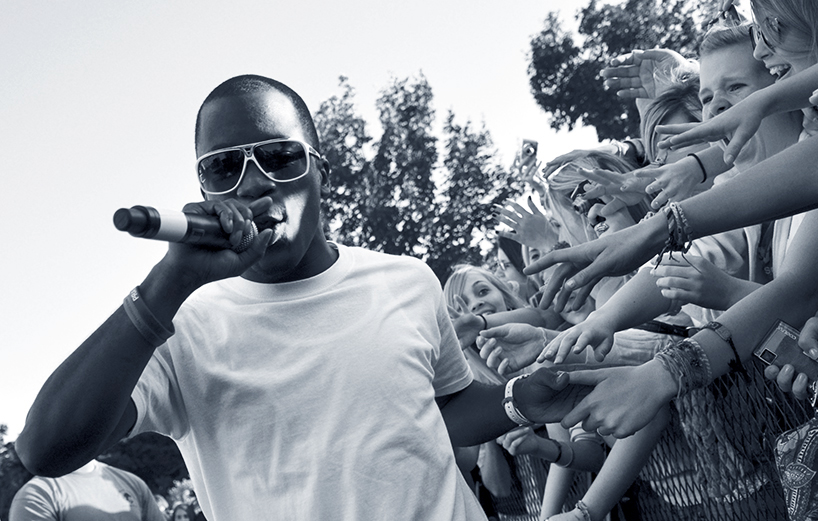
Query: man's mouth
[[268, 221]]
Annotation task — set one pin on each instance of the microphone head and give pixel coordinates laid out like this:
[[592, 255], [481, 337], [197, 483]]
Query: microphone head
[[247, 239]]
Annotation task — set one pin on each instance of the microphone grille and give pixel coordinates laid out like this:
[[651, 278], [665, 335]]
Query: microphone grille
[[247, 240]]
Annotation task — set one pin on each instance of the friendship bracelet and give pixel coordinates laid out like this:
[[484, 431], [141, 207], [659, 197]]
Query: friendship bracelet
[[144, 321], [724, 334], [688, 363], [512, 411], [678, 229], [701, 165], [485, 322], [583, 508]]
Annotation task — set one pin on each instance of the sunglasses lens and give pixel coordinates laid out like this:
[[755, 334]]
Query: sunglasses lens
[[283, 160], [221, 172]]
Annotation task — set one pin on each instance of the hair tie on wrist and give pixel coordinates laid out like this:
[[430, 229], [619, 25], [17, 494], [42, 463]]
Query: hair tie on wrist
[[701, 165], [485, 322]]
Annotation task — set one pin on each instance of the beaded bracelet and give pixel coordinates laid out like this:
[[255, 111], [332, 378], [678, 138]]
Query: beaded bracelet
[[678, 230], [688, 363], [144, 321], [724, 334], [583, 508], [701, 165]]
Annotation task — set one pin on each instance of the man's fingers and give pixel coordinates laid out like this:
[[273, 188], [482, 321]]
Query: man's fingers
[[259, 206]]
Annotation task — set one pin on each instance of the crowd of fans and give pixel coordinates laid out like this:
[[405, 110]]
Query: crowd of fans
[[624, 317]]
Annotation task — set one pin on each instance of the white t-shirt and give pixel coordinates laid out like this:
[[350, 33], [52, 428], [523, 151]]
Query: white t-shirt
[[96, 492], [314, 399]]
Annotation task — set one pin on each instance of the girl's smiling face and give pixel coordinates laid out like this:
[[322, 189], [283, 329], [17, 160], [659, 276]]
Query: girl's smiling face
[[481, 296], [785, 50]]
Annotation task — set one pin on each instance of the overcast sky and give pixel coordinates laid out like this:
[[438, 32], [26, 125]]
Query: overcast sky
[[97, 107]]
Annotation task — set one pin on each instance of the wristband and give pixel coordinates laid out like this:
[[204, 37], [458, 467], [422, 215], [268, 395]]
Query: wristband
[[566, 455], [512, 411], [485, 322], [724, 334], [701, 165], [144, 321]]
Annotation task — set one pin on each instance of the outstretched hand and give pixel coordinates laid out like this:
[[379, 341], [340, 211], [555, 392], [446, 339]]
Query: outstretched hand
[[638, 74], [546, 396], [696, 280], [581, 267], [511, 347], [529, 226], [522, 440], [671, 182], [467, 325], [623, 400], [588, 334], [736, 125], [613, 185]]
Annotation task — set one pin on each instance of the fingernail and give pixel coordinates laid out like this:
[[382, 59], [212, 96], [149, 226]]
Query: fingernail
[[570, 284], [813, 353], [729, 159]]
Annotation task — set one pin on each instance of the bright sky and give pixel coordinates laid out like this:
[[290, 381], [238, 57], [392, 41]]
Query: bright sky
[[97, 107]]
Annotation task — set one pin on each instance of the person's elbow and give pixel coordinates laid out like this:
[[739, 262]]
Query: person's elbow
[[36, 457], [50, 457]]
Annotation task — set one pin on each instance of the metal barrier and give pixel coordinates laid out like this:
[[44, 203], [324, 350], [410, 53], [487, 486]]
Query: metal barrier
[[714, 461]]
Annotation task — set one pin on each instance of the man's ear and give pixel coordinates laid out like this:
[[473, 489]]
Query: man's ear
[[324, 168]]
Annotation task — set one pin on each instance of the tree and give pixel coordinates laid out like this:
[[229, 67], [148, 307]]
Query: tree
[[400, 194], [343, 137], [153, 457], [13, 475], [564, 75], [473, 182]]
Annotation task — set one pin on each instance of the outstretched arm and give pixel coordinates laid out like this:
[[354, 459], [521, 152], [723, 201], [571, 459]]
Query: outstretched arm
[[85, 405], [476, 414], [740, 122], [619, 402], [779, 186]]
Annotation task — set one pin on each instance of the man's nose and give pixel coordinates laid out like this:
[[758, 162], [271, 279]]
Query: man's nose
[[255, 183]]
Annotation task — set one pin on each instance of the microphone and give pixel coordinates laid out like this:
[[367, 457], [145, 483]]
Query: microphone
[[173, 226]]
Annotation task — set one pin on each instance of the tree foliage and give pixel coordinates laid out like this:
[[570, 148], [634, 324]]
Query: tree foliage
[[564, 73], [400, 206], [473, 182], [13, 474], [409, 199], [153, 457], [343, 139]]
